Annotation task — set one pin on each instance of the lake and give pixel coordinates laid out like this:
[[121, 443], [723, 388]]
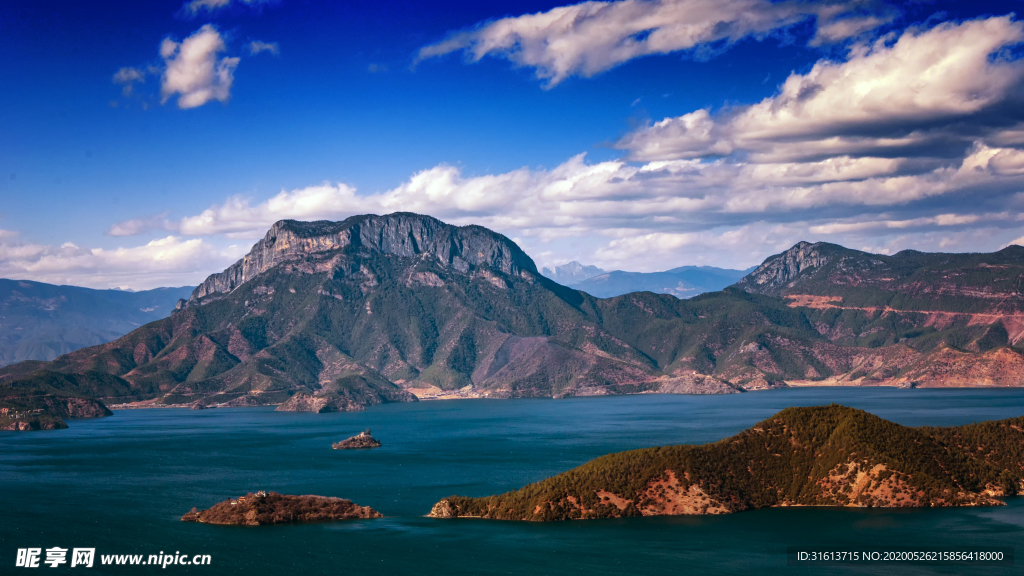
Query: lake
[[120, 485]]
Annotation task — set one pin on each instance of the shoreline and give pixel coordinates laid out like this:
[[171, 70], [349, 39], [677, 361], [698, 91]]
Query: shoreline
[[797, 385]]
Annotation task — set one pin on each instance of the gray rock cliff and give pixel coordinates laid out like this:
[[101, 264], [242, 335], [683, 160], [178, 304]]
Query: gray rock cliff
[[779, 270], [400, 234]]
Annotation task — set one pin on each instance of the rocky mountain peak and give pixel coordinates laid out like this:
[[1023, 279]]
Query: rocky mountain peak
[[780, 270], [572, 272], [400, 234]]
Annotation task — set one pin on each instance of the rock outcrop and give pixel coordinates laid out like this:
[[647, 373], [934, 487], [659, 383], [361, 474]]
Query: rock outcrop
[[780, 271], [693, 382], [348, 394], [262, 508], [443, 509], [71, 407], [359, 441]]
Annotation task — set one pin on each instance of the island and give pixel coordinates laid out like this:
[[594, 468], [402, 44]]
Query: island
[[261, 508], [361, 440], [815, 456]]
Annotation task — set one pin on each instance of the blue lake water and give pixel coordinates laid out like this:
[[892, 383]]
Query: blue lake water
[[120, 485]]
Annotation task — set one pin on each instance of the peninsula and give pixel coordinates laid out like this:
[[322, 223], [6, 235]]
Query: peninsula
[[44, 399], [260, 508], [23, 422], [817, 456]]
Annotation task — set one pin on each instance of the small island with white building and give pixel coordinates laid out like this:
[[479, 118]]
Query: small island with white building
[[361, 440]]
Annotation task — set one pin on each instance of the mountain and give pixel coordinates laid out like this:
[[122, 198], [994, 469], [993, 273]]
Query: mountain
[[934, 319], [907, 281], [818, 456], [42, 321], [571, 273], [323, 316], [683, 282], [354, 311]]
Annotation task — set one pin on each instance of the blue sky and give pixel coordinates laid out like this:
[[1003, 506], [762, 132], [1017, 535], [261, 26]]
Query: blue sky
[[151, 143]]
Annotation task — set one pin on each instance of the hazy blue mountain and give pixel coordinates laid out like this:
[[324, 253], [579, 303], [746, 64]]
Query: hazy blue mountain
[[682, 282], [571, 273], [42, 321]]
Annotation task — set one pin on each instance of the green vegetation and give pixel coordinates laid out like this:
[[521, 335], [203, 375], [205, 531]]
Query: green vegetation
[[83, 385], [798, 456], [47, 396]]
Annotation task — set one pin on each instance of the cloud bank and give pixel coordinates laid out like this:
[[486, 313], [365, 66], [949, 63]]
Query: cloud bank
[[162, 262], [588, 38], [928, 92]]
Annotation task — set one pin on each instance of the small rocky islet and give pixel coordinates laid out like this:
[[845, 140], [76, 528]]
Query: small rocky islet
[[359, 441], [262, 508]]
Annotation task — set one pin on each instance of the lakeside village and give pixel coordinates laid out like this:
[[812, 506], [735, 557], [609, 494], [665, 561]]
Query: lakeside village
[[15, 413], [244, 499]]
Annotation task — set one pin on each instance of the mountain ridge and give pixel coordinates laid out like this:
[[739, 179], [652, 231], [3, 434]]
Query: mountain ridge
[[340, 315], [681, 282], [40, 321]]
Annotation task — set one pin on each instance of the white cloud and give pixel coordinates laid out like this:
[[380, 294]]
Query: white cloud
[[844, 28], [162, 262], [873, 224], [127, 77], [591, 37], [138, 226], [195, 6], [194, 71], [239, 217], [886, 97], [668, 213], [256, 46]]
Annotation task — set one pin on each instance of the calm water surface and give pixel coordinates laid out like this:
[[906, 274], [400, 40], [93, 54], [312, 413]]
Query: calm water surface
[[120, 484]]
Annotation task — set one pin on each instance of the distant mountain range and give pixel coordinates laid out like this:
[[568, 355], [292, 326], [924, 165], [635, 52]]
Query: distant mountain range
[[682, 282], [571, 273], [338, 315], [42, 321]]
